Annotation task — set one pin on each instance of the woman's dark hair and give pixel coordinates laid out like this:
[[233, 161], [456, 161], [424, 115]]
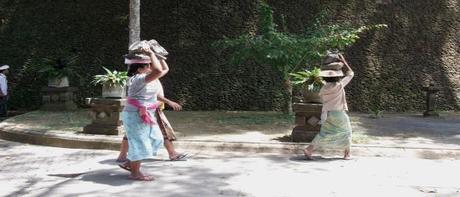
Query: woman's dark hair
[[132, 68], [332, 79]]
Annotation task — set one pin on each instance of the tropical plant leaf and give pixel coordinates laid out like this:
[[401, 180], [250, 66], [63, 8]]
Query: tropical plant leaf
[[111, 77]]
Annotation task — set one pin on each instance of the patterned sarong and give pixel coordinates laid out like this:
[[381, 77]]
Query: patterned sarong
[[165, 126], [144, 139], [335, 132]]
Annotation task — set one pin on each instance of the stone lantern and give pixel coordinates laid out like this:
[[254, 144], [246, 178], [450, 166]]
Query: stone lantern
[[431, 91]]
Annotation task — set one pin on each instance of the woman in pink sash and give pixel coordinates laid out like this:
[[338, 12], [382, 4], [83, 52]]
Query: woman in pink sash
[[166, 129], [143, 133]]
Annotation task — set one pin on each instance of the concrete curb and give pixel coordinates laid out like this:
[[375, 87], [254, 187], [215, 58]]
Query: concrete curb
[[58, 140], [85, 141]]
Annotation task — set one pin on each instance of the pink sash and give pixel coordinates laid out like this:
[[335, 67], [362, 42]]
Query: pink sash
[[143, 113]]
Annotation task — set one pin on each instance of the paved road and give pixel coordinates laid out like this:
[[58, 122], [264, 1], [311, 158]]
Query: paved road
[[29, 170]]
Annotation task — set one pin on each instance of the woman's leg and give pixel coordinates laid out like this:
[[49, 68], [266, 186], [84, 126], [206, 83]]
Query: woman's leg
[[136, 145], [308, 152], [136, 173], [170, 148], [3, 110], [135, 168], [167, 137], [123, 150], [346, 153], [173, 155]]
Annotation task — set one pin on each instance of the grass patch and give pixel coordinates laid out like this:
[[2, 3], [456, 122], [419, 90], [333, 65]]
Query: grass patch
[[67, 121]]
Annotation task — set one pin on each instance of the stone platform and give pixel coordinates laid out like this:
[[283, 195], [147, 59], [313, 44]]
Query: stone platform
[[106, 116], [307, 117], [58, 99]]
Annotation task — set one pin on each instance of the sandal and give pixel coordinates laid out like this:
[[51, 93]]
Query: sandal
[[180, 157], [125, 166], [141, 178]]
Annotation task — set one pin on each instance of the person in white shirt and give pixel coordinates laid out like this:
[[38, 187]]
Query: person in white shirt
[[3, 90], [335, 132]]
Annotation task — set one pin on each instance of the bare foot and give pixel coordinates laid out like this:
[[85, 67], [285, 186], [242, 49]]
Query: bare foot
[[141, 178], [308, 154]]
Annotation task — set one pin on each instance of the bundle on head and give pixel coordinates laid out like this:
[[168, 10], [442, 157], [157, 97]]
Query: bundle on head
[[331, 69], [332, 61], [136, 48]]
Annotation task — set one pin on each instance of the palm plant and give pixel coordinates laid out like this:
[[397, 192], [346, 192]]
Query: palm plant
[[111, 78], [53, 68], [308, 78], [310, 83]]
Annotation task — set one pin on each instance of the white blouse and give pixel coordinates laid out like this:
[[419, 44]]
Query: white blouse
[[333, 96]]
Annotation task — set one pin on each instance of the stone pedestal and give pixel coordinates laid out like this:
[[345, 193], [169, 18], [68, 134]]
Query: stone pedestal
[[106, 116], [58, 99], [307, 117]]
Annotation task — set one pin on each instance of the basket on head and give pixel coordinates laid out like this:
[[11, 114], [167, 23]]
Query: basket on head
[[331, 57]]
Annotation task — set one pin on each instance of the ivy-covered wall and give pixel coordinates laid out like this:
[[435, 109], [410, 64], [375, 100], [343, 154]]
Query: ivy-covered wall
[[421, 44], [33, 30]]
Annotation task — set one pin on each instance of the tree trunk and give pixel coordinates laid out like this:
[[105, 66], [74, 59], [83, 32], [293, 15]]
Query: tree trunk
[[134, 21], [287, 105]]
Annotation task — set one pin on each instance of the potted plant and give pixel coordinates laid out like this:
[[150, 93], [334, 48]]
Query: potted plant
[[310, 83], [113, 83], [57, 71]]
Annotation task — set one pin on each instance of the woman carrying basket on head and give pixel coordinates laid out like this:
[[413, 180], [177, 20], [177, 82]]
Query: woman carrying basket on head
[[142, 130], [335, 132]]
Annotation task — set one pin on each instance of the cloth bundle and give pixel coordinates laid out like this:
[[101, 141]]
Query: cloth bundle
[[136, 55]]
